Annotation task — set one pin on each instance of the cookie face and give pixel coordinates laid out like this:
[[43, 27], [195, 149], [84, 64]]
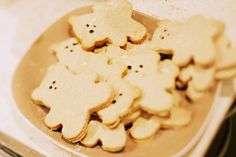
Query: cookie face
[[71, 54], [142, 64], [104, 25], [143, 129], [71, 98], [113, 140], [190, 40], [124, 99]]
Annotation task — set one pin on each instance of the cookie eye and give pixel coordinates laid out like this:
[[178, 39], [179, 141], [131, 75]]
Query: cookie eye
[[162, 37], [71, 50], [55, 88], [94, 26], [113, 102], [87, 25], [50, 87], [53, 82], [141, 66], [129, 67], [120, 94], [91, 31]]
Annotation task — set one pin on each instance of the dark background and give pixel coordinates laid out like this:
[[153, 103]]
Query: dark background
[[228, 129]]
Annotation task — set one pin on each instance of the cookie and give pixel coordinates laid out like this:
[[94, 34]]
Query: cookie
[[193, 94], [125, 96], [179, 117], [131, 117], [143, 129], [71, 54], [113, 140], [226, 54], [110, 22], [167, 67], [190, 40], [201, 78], [71, 99], [177, 98], [142, 64], [226, 74]]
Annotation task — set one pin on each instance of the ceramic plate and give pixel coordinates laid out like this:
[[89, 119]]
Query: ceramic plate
[[33, 66]]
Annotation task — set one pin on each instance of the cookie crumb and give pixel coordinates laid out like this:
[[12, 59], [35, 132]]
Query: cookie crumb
[[113, 102], [129, 67]]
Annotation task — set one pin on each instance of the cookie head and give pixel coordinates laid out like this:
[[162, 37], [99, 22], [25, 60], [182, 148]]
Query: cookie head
[[190, 40], [88, 30], [110, 22], [50, 86]]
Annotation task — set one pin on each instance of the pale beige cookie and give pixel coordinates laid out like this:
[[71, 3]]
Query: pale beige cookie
[[71, 54], [194, 94], [179, 117], [71, 99], [169, 68], [226, 54], [143, 129], [226, 74], [143, 72], [177, 98], [131, 117], [111, 22], [201, 78], [113, 140], [192, 39], [125, 96]]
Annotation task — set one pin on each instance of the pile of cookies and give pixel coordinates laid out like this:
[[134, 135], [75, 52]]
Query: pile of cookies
[[111, 81]]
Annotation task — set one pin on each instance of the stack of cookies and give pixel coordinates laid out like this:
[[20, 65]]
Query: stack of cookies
[[111, 81]]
